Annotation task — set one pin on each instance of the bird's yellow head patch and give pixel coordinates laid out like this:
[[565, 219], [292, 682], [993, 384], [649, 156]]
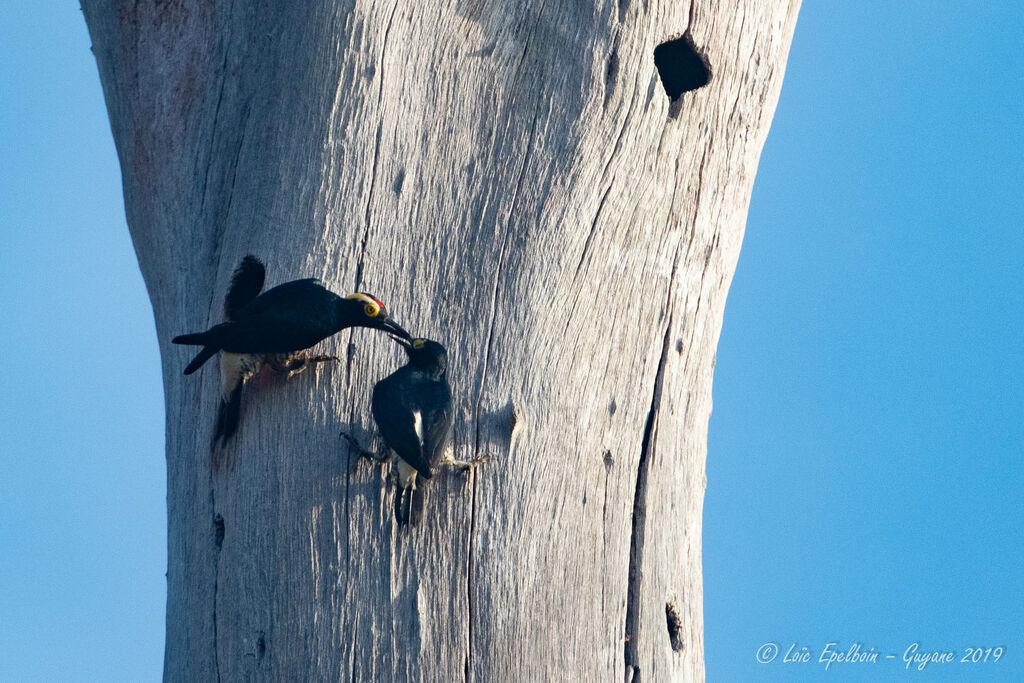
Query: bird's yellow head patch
[[418, 343], [371, 306]]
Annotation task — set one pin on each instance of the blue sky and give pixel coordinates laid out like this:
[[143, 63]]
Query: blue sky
[[864, 467]]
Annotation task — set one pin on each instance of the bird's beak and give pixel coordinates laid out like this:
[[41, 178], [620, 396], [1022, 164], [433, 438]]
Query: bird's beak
[[395, 329], [403, 341]]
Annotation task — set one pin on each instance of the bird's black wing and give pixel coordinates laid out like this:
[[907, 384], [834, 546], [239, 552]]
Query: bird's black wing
[[289, 317], [393, 413], [246, 284], [437, 423], [287, 294]]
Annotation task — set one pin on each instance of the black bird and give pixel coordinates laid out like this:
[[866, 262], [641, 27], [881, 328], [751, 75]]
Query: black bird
[[274, 328], [413, 411]]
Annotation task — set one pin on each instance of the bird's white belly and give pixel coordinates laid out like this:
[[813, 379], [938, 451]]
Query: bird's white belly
[[235, 368]]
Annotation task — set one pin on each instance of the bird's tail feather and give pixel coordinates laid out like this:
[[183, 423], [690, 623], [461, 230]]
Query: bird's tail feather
[[206, 354], [404, 506], [195, 339], [228, 416]]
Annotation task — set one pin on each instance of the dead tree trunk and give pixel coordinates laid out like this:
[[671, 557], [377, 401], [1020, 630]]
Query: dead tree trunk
[[512, 179]]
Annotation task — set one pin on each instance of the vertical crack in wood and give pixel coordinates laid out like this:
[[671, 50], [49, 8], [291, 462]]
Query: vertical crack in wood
[[611, 71], [736, 55], [608, 462], [216, 110], [221, 230], [621, 131], [392, 663], [476, 451], [497, 278], [218, 542], [707, 259], [468, 669], [355, 649], [636, 542], [480, 389], [369, 203], [590, 237], [636, 545], [376, 150], [217, 230], [234, 165], [351, 466], [647, 451]]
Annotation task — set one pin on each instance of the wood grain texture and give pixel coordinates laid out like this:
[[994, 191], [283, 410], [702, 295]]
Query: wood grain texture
[[510, 179]]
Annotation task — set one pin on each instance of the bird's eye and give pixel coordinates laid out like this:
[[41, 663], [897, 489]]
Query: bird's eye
[[371, 309], [417, 343]]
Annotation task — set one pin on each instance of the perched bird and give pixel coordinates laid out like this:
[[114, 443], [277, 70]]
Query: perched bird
[[413, 411], [274, 328]]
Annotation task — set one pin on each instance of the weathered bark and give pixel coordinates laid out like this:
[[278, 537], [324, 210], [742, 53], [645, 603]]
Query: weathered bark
[[511, 179]]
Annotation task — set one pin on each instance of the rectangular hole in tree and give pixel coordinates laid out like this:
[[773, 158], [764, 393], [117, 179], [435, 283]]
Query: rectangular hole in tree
[[681, 66]]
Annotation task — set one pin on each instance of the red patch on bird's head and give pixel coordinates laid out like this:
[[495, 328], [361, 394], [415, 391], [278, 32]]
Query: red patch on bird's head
[[367, 298]]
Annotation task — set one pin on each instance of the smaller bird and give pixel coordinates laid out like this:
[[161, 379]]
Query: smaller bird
[[274, 328], [413, 411]]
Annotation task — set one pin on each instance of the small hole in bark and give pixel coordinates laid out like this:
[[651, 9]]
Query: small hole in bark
[[261, 645], [611, 74], [608, 461], [218, 531], [612, 407], [682, 66], [399, 181], [675, 627]]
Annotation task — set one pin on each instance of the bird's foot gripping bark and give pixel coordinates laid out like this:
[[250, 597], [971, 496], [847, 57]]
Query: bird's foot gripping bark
[[465, 466], [296, 363], [377, 457]]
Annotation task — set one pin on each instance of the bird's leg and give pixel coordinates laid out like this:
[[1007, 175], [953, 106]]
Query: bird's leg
[[320, 359], [378, 457], [295, 363], [464, 465]]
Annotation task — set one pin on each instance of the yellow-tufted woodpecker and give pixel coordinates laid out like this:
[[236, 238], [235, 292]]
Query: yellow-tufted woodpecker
[[274, 328], [413, 411]]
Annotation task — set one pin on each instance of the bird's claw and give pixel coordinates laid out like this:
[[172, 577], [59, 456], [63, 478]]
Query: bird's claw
[[373, 457], [465, 466], [298, 364]]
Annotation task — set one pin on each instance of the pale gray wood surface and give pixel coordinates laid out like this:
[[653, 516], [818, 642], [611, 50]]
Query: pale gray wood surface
[[507, 178]]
